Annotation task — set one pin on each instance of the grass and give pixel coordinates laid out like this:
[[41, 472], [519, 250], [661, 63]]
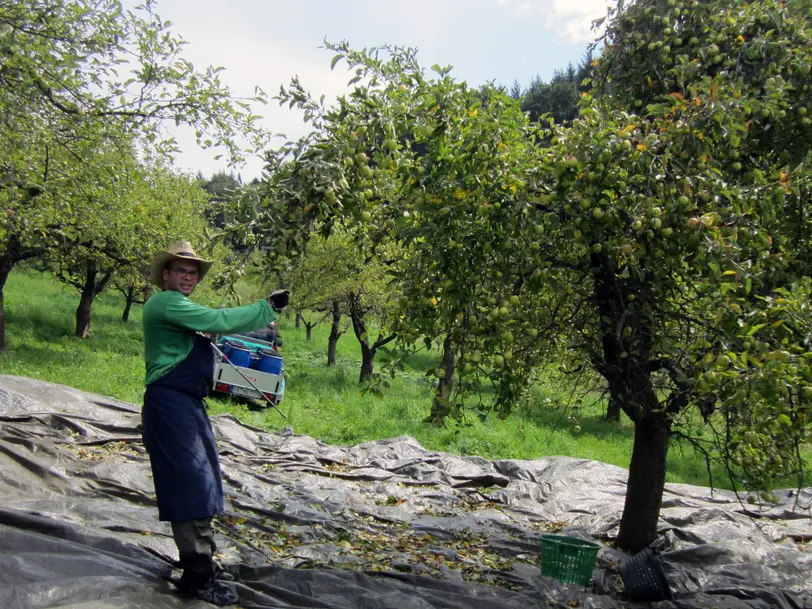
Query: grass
[[325, 403]]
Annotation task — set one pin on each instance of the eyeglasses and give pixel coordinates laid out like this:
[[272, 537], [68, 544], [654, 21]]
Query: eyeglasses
[[185, 273]]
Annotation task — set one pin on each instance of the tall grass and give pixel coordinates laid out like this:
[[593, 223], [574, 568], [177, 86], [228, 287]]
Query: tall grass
[[322, 402]]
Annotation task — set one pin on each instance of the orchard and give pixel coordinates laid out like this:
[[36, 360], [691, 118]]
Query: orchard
[[661, 241]]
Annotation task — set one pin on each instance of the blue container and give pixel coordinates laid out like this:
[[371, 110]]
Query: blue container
[[239, 355], [270, 362]]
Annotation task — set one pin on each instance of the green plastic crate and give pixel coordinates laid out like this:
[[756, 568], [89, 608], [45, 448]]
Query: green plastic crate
[[568, 559]]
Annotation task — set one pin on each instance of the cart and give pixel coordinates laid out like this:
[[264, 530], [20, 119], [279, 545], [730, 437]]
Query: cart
[[232, 376]]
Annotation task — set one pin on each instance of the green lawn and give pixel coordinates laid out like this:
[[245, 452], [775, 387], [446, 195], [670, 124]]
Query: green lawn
[[322, 402]]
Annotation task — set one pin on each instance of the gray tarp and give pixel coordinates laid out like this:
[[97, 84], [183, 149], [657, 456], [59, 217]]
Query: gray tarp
[[385, 524]]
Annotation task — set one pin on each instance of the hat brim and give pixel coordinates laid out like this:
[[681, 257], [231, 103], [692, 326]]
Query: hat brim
[[161, 259]]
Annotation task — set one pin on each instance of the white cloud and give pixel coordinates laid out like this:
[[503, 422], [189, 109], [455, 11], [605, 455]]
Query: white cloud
[[572, 19]]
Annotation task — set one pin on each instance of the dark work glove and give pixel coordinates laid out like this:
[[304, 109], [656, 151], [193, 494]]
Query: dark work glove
[[279, 299]]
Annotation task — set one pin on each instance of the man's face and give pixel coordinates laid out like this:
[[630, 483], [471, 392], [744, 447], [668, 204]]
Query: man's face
[[181, 276]]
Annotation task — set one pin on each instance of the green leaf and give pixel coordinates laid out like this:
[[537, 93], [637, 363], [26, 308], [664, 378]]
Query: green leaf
[[755, 329]]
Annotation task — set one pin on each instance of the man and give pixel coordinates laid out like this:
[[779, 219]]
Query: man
[[177, 431]]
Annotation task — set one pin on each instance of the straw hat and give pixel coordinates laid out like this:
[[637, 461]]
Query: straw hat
[[182, 250]]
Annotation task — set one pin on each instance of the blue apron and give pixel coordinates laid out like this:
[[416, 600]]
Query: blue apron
[[179, 439]]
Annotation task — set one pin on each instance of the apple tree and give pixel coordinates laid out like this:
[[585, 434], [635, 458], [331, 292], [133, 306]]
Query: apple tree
[[80, 76], [660, 240], [114, 224]]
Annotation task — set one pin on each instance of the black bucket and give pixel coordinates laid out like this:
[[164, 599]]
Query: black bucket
[[643, 577]]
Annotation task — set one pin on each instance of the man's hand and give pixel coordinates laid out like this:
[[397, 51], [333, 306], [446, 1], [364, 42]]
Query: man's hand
[[279, 299]]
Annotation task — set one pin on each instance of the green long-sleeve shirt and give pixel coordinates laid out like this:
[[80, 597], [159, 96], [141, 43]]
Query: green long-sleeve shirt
[[170, 321]]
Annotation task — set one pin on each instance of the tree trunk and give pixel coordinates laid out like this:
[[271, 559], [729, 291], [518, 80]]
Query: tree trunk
[[631, 388], [359, 327], [298, 320], [84, 310], [130, 297], [644, 492], [367, 362], [613, 409], [440, 405], [335, 333], [91, 288], [309, 330]]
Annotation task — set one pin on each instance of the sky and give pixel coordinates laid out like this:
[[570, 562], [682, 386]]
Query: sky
[[266, 42]]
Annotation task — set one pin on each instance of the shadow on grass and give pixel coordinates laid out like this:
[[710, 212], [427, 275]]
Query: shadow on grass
[[592, 419], [320, 377], [108, 333], [41, 326], [417, 362]]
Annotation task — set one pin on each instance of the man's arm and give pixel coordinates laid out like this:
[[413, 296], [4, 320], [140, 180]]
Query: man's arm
[[192, 316]]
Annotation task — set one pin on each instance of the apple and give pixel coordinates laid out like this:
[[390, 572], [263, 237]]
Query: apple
[[627, 249], [597, 248], [598, 213], [694, 223], [637, 225], [366, 216], [361, 158]]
